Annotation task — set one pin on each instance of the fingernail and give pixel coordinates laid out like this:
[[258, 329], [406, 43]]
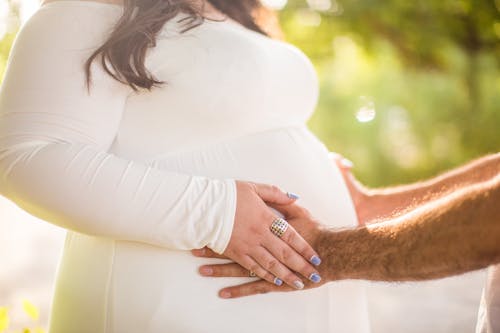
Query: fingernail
[[225, 294], [333, 155], [315, 278], [206, 271], [278, 281], [315, 260], [292, 195], [346, 163], [298, 284]]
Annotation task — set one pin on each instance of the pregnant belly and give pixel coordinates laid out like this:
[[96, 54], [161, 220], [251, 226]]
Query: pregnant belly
[[292, 158], [152, 289]]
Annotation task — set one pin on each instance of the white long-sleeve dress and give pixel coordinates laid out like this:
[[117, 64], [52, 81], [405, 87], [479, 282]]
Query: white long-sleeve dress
[[140, 178]]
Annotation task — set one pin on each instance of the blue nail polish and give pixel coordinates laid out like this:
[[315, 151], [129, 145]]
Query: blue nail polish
[[315, 278], [315, 260], [278, 282], [292, 195]]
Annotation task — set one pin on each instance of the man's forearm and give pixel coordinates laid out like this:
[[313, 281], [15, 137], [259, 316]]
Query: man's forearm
[[450, 236], [391, 202]]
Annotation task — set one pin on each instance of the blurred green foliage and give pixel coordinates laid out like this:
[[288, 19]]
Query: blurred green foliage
[[429, 70], [422, 76]]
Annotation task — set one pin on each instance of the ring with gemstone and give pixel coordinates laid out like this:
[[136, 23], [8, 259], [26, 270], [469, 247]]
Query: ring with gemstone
[[279, 226]]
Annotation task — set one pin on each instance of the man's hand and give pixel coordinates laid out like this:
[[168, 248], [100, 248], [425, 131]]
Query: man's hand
[[378, 204], [360, 195], [302, 222]]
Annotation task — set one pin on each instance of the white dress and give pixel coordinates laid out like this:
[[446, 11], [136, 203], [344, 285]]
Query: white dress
[[138, 179], [489, 309]]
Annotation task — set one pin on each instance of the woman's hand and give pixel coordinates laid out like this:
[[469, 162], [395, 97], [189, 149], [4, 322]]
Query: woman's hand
[[303, 223], [257, 249]]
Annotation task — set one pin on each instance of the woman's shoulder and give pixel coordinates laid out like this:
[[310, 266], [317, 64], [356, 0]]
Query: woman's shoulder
[[81, 14], [68, 25]]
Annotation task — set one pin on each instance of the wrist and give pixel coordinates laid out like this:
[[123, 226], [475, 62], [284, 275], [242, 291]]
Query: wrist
[[346, 253], [227, 192], [327, 245]]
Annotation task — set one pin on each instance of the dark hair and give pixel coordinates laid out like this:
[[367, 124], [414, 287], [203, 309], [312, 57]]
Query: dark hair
[[136, 30]]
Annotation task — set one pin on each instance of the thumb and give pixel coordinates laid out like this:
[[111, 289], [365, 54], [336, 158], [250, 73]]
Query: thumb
[[343, 163], [273, 194], [290, 211]]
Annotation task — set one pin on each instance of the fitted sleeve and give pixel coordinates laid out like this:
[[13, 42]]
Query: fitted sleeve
[[55, 137]]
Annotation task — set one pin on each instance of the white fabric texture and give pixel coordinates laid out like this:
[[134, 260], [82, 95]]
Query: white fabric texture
[[54, 141], [489, 310], [139, 178]]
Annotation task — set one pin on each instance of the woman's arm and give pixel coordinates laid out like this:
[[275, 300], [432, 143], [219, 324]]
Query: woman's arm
[[54, 139], [55, 164], [379, 204]]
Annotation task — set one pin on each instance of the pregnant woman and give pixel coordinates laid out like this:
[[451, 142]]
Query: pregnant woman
[[141, 172]]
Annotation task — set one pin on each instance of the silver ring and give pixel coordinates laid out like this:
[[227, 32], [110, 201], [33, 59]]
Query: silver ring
[[252, 274], [279, 226]]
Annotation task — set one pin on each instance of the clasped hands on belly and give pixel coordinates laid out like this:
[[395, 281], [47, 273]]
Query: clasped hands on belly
[[265, 244]]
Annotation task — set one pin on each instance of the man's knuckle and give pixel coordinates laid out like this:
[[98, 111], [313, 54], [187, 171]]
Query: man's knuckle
[[253, 186], [261, 289]]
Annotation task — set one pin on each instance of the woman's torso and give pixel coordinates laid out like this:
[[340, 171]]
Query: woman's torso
[[235, 106]]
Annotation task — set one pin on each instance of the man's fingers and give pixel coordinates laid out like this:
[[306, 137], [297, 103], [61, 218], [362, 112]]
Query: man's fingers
[[251, 288], [207, 253], [224, 270], [342, 162], [273, 194]]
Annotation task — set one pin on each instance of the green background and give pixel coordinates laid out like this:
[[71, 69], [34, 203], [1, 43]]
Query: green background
[[429, 70]]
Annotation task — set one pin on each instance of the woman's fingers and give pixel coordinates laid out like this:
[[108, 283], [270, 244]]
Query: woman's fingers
[[293, 251], [252, 265], [273, 194], [299, 244], [275, 266], [290, 251], [224, 270], [260, 241], [290, 210]]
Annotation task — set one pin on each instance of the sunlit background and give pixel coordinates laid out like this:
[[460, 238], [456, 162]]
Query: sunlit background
[[408, 89]]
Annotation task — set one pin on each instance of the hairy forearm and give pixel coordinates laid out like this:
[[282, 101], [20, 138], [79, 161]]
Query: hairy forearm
[[449, 236], [391, 202]]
